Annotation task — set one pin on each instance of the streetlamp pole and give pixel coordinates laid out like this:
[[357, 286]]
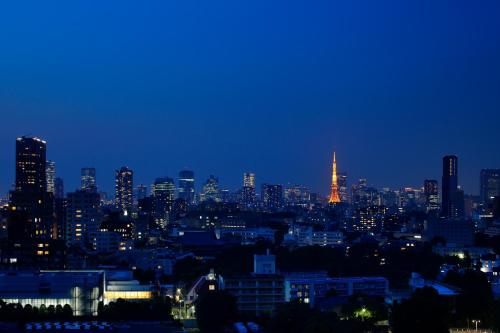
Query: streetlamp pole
[[476, 322]]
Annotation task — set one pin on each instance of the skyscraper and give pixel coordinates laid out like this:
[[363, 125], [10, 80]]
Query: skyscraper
[[248, 191], [30, 198], [431, 193], [210, 191], [50, 171], [334, 194], [342, 186], [489, 185], [186, 186], [163, 199], [451, 205], [88, 180], [31, 161], [124, 194], [272, 197]]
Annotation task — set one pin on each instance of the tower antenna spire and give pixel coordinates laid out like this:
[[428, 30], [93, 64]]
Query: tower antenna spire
[[334, 194]]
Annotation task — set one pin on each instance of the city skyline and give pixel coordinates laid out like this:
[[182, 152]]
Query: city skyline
[[198, 181]]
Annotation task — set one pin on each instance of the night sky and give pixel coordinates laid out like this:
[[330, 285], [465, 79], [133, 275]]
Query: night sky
[[273, 87]]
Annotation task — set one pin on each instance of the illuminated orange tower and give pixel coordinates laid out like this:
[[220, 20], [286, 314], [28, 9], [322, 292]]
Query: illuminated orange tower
[[334, 194]]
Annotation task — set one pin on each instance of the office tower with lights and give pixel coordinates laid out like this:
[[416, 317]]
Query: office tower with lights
[[272, 197], [342, 186], [163, 200], [248, 190], [297, 195], [186, 186], [124, 196], [82, 217], [210, 190], [431, 194], [452, 203], [489, 185], [88, 179], [30, 199], [50, 171]]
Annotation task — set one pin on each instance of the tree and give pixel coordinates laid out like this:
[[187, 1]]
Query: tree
[[214, 311], [425, 311], [476, 295], [67, 312]]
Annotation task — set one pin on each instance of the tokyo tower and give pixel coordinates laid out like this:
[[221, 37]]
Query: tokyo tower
[[334, 194]]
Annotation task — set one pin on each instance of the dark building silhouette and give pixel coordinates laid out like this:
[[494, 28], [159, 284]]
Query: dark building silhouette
[[186, 186], [496, 207], [489, 185], [455, 232], [452, 203], [32, 223], [58, 188], [124, 192], [60, 213]]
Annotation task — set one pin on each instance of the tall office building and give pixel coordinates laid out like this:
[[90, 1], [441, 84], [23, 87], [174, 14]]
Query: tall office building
[[334, 192], [82, 217], [88, 180], [297, 195], [124, 193], [163, 200], [31, 161], [186, 186], [452, 203], [50, 171], [210, 190], [272, 197], [58, 188], [431, 193], [489, 185], [248, 191], [342, 186], [30, 199]]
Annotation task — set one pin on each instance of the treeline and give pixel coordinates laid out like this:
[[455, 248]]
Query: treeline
[[12, 312], [217, 311], [155, 309]]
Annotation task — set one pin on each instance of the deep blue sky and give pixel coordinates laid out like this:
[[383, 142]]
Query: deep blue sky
[[269, 86]]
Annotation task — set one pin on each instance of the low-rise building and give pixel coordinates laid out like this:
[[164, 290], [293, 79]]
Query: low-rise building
[[310, 287]]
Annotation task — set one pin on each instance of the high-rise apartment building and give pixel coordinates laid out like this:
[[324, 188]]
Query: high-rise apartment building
[[50, 171], [124, 196], [452, 203]]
